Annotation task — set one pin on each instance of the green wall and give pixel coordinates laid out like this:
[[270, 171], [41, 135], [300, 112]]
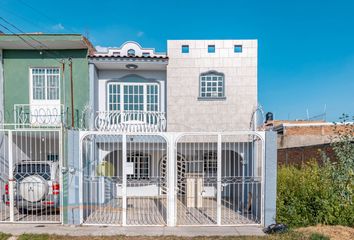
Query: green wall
[[16, 78]]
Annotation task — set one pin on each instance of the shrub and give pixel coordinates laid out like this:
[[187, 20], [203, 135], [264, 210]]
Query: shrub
[[320, 194], [317, 236]]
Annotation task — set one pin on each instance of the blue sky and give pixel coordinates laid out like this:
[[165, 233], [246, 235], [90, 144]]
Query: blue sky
[[306, 48]]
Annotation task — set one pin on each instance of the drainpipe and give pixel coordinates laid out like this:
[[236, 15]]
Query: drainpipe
[[72, 94]]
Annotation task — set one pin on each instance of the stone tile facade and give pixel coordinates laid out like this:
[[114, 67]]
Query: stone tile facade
[[185, 110]]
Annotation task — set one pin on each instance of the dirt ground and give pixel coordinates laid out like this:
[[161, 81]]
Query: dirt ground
[[333, 232]]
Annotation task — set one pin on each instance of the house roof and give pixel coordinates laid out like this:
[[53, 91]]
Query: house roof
[[39, 41], [125, 57]]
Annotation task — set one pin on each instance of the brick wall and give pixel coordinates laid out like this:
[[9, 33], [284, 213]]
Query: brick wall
[[299, 155]]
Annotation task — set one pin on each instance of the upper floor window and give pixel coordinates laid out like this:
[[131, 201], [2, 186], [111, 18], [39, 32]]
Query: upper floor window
[[45, 83], [131, 53], [238, 48], [211, 48], [185, 48], [146, 54], [133, 97], [212, 85]]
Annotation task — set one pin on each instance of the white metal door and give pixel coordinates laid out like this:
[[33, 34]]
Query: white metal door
[[123, 184], [31, 182], [4, 176], [219, 179], [45, 105]]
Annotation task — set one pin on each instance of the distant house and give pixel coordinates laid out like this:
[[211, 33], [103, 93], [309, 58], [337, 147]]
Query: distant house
[[301, 141]]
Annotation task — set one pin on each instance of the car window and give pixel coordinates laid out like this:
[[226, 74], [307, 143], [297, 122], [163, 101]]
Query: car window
[[28, 169]]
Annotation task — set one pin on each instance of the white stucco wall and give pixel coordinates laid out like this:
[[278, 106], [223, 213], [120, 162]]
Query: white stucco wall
[[185, 112]]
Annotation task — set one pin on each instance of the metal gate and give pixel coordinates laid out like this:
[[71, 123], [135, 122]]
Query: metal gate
[[172, 178], [219, 179], [124, 179], [30, 175]]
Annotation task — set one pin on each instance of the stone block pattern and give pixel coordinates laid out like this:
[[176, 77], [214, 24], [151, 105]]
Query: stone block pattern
[[185, 111]]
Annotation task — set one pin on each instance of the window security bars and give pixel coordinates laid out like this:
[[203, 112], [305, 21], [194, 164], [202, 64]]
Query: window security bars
[[212, 86], [45, 83]]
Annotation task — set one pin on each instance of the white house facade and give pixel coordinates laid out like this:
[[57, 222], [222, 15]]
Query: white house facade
[[164, 139], [178, 91]]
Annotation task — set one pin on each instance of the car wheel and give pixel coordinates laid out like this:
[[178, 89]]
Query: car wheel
[[22, 211]]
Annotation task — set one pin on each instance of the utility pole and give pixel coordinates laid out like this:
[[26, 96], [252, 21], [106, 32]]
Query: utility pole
[[72, 94]]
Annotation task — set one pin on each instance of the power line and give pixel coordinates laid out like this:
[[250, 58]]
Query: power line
[[45, 46], [23, 32], [27, 42], [27, 20], [40, 12]]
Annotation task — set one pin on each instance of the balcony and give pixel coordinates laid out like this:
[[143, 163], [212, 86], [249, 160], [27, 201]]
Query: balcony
[[29, 115], [130, 121]]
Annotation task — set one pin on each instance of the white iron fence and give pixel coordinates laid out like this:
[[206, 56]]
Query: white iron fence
[[131, 121], [31, 115], [123, 192], [30, 175], [172, 178]]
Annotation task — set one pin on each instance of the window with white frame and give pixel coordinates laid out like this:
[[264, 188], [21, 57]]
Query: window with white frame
[[212, 85], [141, 165], [45, 83], [152, 98], [210, 163], [133, 97]]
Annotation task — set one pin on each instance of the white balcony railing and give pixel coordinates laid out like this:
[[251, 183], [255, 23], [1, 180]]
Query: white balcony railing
[[130, 121], [39, 115]]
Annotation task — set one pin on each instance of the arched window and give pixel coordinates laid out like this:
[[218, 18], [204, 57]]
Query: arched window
[[131, 53], [212, 85]]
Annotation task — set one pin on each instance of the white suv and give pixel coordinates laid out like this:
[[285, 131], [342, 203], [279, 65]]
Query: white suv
[[36, 187]]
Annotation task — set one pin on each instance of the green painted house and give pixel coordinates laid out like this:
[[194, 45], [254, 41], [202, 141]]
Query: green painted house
[[44, 79]]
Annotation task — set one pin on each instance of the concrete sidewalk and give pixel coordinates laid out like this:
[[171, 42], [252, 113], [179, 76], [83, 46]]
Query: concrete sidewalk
[[18, 229]]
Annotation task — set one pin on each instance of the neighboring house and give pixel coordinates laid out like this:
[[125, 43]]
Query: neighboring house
[[143, 138], [301, 141], [36, 78]]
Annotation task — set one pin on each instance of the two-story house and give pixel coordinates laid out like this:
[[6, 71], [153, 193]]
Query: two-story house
[[161, 138]]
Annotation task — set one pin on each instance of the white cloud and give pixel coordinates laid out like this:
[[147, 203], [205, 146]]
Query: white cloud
[[58, 27], [101, 49], [140, 34]]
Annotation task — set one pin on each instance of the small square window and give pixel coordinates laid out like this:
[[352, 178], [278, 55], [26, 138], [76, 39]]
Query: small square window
[[185, 48], [238, 48], [211, 48]]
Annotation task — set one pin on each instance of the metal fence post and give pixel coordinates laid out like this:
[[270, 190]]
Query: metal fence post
[[124, 180], [171, 176], [218, 199], [11, 178], [270, 178], [61, 182]]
